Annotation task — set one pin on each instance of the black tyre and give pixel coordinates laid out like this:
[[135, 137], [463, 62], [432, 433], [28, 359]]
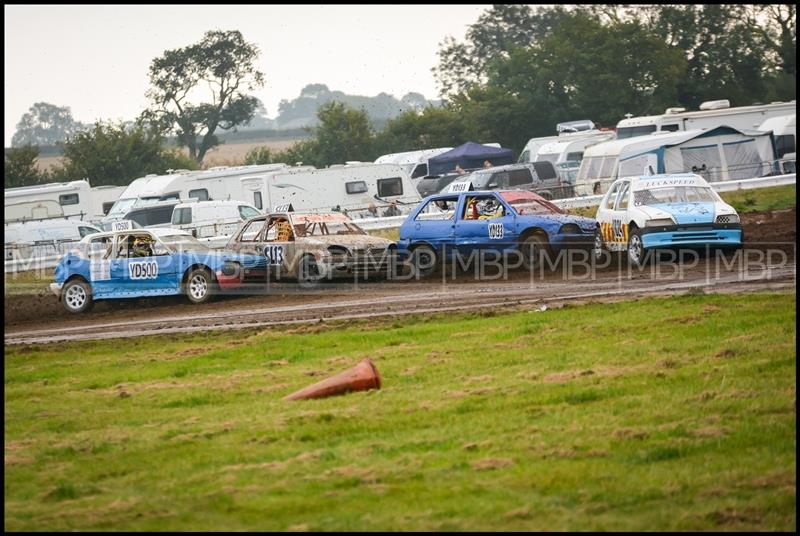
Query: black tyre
[[76, 295], [199, 286], [599, 250], [308, 274], [424, 260], [533, 250], [637, 255]]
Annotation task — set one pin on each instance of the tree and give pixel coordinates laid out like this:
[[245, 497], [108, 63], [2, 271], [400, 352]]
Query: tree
[[20, 166], [343, 134], [45, 124], [492, 36], [224, 63], [110, 153]]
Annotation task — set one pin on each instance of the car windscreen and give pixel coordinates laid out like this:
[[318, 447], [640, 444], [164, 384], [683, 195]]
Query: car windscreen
[[121, 207], [528, 204], [674, 194]]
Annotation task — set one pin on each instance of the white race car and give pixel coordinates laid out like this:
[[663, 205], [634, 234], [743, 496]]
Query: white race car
[[664, 211]]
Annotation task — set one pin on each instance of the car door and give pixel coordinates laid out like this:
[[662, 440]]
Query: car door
[[434, 224], [478, 227], [278, 246], [135, 273]]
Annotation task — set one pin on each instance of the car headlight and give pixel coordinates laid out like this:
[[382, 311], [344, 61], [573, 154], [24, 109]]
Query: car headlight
[[230, 267], [727, 218], [569, 228], [337, 254], [660, 222]]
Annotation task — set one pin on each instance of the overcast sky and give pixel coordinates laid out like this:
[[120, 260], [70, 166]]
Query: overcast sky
[[95, 59]]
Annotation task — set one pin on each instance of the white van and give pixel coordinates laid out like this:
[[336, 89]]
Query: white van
[[206, 219], [362, 190], [25, 240], [414, 162], [219, 183]]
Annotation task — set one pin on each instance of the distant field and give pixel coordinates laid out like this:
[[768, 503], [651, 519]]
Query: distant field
[[659, 414], [227, 154]]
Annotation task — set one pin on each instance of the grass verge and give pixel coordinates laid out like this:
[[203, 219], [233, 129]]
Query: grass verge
[[659, 414]]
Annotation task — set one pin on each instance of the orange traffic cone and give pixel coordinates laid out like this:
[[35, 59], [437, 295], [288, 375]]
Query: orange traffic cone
[[362, 377]]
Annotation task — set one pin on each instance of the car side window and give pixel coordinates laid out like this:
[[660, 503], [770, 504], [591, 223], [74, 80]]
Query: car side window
[[438, 210], [622, 203], [100, 248], [483, 207], [279, 230], [251, 231], [611, 197]]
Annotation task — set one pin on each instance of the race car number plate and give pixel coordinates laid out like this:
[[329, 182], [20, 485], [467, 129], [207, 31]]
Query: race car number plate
[[274, 254], [143, 270], [495, 231]]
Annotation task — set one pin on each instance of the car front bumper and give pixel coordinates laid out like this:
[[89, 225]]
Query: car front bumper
[[692, 235], [55, 288]]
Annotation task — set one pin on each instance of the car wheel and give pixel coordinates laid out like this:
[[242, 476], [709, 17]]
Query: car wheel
[[636, 251], [533, 249], [77, 296], [308, 272], [424, 260], [199, 285], [599, 250]]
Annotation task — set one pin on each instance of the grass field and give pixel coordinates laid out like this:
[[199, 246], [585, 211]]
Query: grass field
[[659, 414]]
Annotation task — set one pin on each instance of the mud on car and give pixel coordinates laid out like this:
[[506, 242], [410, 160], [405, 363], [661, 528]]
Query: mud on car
[[312, 247], [511, 223], [659, 212], [137, 263]]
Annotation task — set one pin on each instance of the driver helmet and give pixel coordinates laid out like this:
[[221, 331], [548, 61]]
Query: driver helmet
[[489, 207], [143, 246]]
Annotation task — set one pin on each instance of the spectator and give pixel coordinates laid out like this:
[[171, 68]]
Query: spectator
[[487, 163], [460, 170]]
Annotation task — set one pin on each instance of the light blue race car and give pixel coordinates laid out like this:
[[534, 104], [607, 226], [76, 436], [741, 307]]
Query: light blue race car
[[136, 263], [652, 212]]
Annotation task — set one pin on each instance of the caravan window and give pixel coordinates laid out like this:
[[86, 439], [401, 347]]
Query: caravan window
[[68, 199], [390, 187], [257, 200], [247, 212], [355, 187], [200, 194], [181, 216], [670, 128], [575, 157], [107, 206], [784, 144], [422, 169], [632, 132]]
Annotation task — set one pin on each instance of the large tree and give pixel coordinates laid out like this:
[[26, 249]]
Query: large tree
[[45, 124], [111, 153], [220, 68]]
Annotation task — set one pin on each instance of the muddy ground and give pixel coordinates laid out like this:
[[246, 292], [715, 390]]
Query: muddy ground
[[40, 311]]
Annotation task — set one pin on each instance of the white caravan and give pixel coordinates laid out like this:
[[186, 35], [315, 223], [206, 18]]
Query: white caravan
[[414, 162], [25, 242], [103, 198], [220, 183], [784, 132], [569, 131], [717, 154], [711, 114], [362, 191], [54, 200]]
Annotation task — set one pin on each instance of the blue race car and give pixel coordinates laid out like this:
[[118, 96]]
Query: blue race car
[[135, 263], [462, 224]]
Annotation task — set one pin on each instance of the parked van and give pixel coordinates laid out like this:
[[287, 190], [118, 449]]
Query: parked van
[[205, 219], [710, 115], [414, 162], [31, 239], [54, 200], [360, 190], [568, 130], [784, 133], [219, 183], [539, 177]]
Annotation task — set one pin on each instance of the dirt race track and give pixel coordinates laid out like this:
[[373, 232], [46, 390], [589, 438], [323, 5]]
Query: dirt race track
[[766, 262]]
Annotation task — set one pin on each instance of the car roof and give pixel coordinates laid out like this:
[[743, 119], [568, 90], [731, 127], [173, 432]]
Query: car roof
[[157, 231], [643, 182]]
